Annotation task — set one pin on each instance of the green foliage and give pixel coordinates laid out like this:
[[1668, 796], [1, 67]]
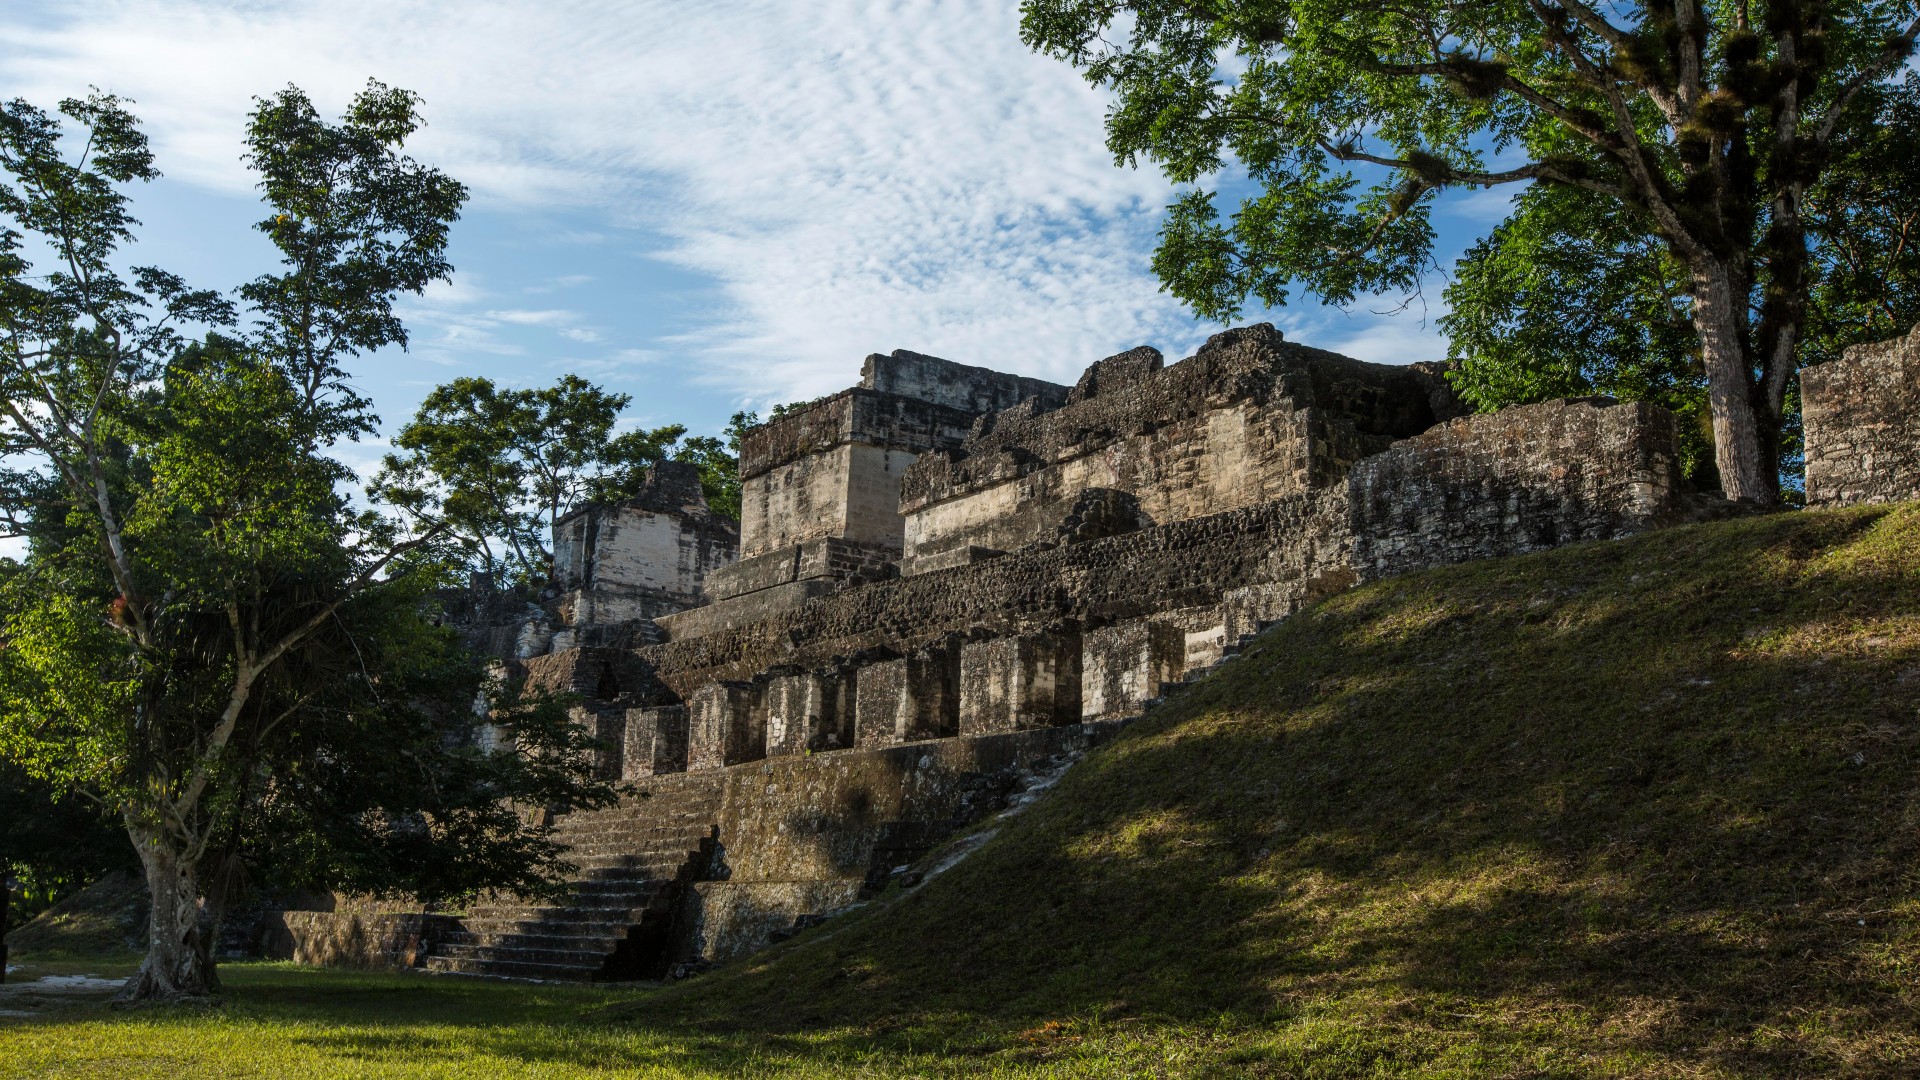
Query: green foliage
[[498, 467], [1568, 297], [52, 842], [718, 459], [207, 627], [356, 223]]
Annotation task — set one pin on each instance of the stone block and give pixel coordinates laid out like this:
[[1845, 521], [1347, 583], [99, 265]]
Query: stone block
[[907, 700], [724, 725], [656, 741], [1122, 666], [803, 713], [1013, 683], [1204, 647], [1862, 417], [609, 727], [1523, 479]]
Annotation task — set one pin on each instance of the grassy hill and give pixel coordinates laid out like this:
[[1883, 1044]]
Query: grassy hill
[[1639, 808]]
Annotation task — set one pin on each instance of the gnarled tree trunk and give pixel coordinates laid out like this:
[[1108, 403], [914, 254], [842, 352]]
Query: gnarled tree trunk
[[1720, 317], [179, 963]]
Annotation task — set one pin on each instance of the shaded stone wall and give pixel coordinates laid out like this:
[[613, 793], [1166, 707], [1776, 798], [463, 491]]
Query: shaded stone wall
[[969, 389], [1519, 480], [1862, 420], [1286, 544], [803, 836]]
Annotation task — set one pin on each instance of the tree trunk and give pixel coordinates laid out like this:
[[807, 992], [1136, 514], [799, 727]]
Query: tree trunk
[[179, 964], [1719, 315]]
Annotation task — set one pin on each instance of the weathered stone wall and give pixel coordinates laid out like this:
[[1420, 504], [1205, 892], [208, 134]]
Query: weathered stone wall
[[804, 835], [643, 558], [1248, 419], [1522, 479], [957, 386], [1286, 545], [1862, 422], [357, 934]]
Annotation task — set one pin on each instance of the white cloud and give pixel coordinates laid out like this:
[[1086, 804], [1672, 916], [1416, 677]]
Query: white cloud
[[856, 175], [533, 318]]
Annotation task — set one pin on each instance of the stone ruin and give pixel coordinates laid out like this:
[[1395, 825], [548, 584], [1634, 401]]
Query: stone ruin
[[951, 582]]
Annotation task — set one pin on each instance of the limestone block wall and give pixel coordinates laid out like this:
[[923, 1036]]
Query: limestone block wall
[[655, 742], [358, 934], [1522, 479], [834, 467], [642, 558], [1122, 667], [1288, 551], [725, 725], [909, 699], [848, 491], [1248, 419], [956, 386], [1862, 424], [1019, 682]]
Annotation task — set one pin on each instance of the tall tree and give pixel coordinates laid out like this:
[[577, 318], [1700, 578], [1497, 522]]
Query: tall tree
[[193, 624], [1572, 296], [1706, 125]]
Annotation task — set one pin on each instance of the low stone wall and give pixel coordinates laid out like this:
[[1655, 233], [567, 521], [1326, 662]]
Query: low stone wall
[[1519, 480], [372, 939], [1862, 419]]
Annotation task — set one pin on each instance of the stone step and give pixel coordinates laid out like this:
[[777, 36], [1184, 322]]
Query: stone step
[[536, 954], [513, 969], [622, 913], [638, 830], [594, 848], [517, 939], [575, 931], [614, 864]]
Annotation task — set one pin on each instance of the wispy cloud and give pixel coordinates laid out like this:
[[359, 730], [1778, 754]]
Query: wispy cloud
[[856, 175]]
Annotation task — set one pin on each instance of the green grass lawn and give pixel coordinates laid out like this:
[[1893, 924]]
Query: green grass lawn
[[1639, 809]]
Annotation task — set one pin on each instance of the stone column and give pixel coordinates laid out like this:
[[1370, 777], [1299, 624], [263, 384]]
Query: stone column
[[723, 726], [907, 700], [656, 741], [797, 713], [1123, 666], [1014, 683]]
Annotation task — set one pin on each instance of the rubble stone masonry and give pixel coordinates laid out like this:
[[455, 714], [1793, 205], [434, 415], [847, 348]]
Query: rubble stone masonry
[[1862, 422]]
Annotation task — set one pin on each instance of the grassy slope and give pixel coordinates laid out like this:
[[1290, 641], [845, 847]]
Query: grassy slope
[[1647, 808]]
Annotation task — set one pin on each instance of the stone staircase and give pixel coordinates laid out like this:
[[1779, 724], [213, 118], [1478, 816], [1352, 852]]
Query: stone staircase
[[616, 921]]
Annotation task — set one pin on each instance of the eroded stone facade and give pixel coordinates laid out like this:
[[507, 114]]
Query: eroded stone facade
[[950, 577]]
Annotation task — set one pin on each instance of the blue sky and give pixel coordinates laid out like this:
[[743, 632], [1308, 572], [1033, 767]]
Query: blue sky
[[707, 207]]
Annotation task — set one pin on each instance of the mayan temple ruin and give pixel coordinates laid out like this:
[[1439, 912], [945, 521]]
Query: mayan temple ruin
[[949, 582]]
